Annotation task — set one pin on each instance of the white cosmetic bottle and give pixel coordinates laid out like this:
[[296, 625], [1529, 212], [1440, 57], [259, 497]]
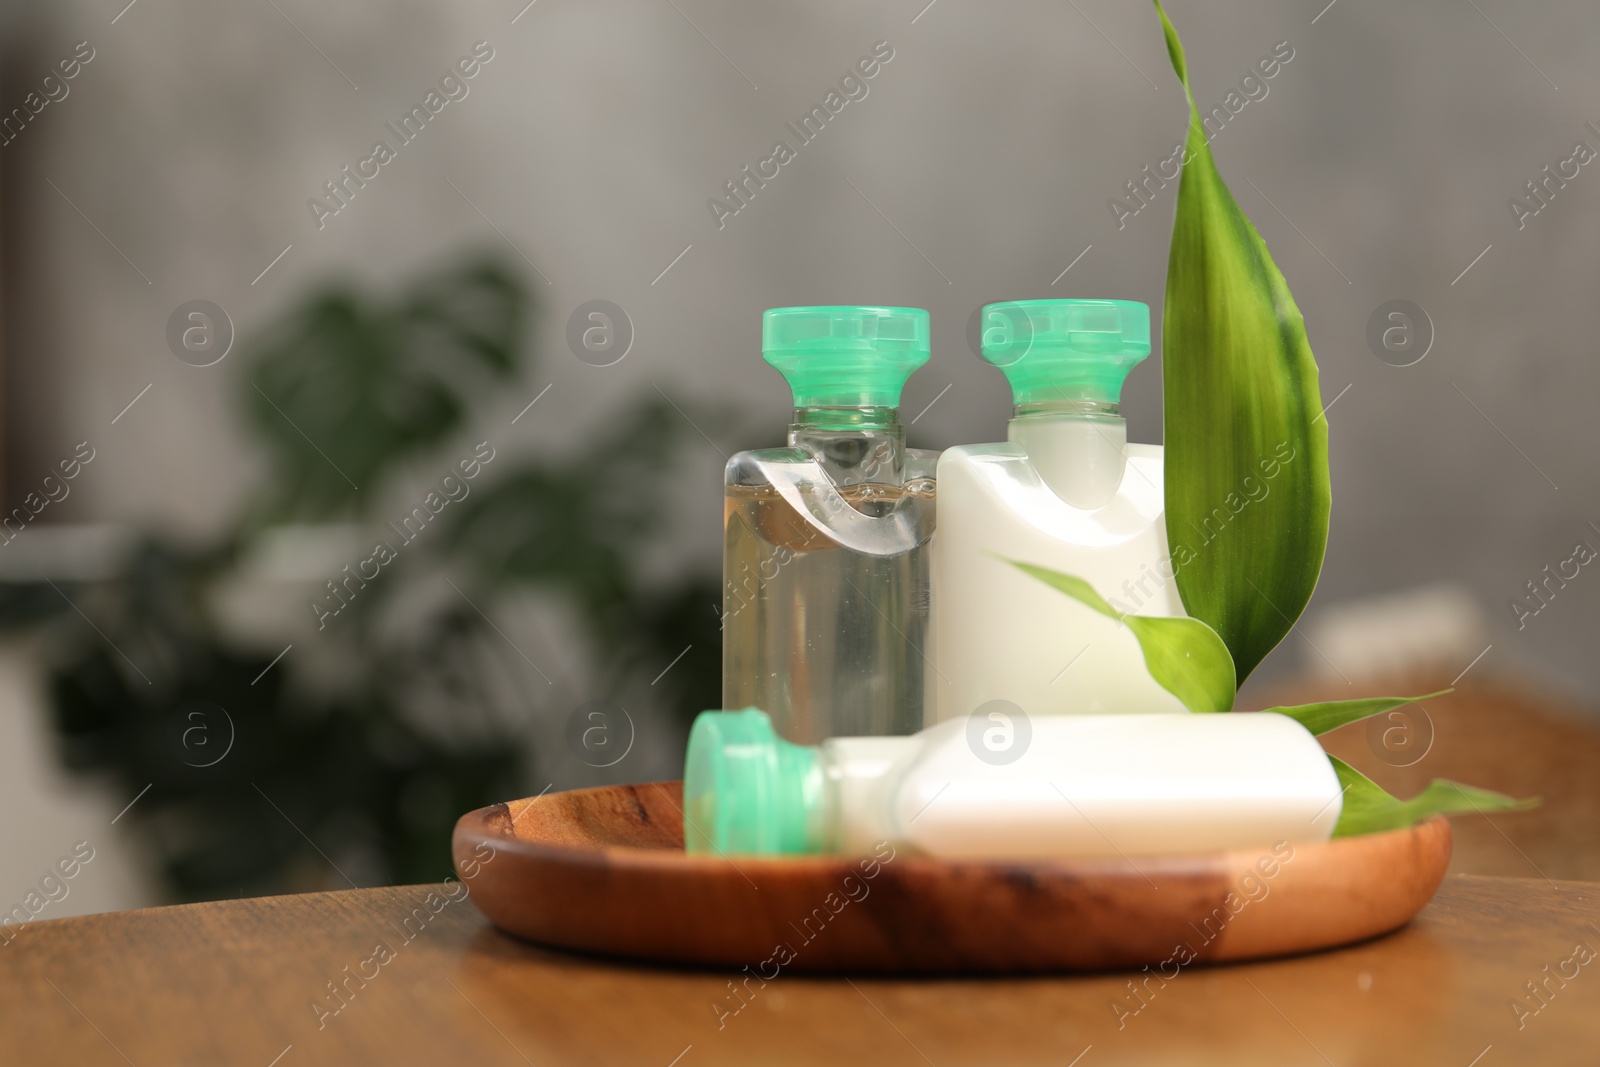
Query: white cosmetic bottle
[[1066, 492], [1078, 786]]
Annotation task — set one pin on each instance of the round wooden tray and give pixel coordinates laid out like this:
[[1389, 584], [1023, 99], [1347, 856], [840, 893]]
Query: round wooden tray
[[603, 870]]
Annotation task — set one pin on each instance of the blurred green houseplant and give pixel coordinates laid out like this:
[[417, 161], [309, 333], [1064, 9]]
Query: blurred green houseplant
[[377, 762]]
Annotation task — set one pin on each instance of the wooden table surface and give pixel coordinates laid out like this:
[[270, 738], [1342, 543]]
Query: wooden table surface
[[247, 982]]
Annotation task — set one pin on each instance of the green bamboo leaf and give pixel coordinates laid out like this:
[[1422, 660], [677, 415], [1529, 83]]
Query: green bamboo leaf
[[1247, 490], [1369, 808], [1185, 656], [1331, 714]]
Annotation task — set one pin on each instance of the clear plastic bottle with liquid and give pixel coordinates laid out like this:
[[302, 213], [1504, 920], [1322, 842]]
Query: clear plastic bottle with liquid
[[827, 570]]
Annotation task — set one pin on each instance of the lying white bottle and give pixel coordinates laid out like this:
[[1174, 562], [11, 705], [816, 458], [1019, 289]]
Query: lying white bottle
[[1064, 786], [1067, 492]]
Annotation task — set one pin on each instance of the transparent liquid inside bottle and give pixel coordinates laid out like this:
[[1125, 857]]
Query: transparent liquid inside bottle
[[827, 595]]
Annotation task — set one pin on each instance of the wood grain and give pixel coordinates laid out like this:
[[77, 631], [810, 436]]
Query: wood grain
[[236, 983], [571, 870]]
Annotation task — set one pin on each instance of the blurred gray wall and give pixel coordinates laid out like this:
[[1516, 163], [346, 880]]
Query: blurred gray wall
[[977, 167]]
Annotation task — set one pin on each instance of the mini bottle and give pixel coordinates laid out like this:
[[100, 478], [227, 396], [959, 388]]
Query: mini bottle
[[826, 566], [1084, 785], [1067, 491]]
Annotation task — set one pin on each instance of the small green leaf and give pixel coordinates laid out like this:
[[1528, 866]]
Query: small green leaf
[[1247, 488], [1183, 655], [1332, 714], [1368, 808]]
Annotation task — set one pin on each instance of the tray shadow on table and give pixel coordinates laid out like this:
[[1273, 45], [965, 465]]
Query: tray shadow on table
[[1396, 991]]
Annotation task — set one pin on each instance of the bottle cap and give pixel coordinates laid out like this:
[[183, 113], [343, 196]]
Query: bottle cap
[[746, 790], [845, 357], [1066, 349]]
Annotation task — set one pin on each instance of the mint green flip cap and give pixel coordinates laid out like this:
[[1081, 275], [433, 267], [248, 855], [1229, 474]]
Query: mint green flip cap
[[1066, 349], [847, 356], [748, 791]]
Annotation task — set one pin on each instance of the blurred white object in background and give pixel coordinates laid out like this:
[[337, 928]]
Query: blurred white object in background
[[1427, 629], [54, 813], [56, 816], [80, 552], [265, 601]]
